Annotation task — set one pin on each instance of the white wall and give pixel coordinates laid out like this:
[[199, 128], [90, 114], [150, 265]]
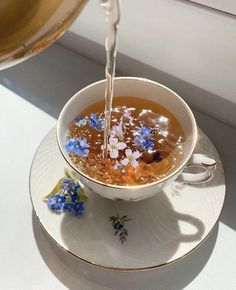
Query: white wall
[[225, 5], [184, 41]]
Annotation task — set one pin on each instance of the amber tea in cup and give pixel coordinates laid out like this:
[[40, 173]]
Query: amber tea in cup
[[145, 142], [151, 144]]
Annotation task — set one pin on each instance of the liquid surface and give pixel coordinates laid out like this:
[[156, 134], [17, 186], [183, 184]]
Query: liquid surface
[[154, 161], [28, 26]]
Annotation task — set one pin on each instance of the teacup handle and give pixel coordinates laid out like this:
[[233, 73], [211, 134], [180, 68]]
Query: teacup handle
[[202, 161]]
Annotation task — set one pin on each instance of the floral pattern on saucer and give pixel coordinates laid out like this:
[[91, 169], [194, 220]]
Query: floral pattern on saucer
[[118, 224]]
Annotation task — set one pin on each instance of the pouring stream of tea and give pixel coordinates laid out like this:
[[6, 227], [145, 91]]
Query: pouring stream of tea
[[112, 13]]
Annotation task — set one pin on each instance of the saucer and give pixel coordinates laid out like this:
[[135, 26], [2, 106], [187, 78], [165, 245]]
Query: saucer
[[129, 236]]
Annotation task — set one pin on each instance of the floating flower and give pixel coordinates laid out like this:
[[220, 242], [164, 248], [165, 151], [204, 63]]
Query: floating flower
[[114, 146], [145, 132], [96, 121], [117, 165], [145, 144], [82, 149], [71, 145], [81, 122], [117, 131], [131, 157], [79, 146], [56, 202], [127, 115], [144, 138]]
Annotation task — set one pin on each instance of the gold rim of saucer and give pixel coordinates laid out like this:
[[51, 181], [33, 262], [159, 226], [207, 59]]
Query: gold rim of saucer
[[179, 168]]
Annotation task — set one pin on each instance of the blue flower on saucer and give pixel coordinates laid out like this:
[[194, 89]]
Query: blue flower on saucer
[[77, 207], [56, 202], [70, 186], [67, 195]]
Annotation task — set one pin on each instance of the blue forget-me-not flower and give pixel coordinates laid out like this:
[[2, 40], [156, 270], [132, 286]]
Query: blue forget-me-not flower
[[67, 198], [56, 202], [81, 122], [144, 138], [79, 146], [96, 121]]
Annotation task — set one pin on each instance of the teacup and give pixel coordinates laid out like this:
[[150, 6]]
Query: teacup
[[150, 90]]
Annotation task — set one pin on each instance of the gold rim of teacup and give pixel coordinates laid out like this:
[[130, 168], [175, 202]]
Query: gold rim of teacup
[[178, 169]]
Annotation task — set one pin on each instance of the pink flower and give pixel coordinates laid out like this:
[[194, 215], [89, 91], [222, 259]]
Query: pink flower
[[118, 130], [131, 158], [114, 146]]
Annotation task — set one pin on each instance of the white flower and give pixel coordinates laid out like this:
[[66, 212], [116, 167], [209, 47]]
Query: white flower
[[127, 114], [114, 145], [131, 158], [117, 131]]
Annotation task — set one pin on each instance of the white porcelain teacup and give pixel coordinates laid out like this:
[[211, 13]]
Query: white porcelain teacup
[[150, 90]]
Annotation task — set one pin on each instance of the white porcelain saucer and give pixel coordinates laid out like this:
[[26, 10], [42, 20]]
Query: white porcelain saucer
[[161, 229]]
